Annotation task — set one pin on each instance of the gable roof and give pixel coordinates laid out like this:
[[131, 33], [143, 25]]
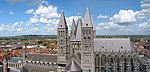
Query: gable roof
[[73, 66], [113, 44], [42, 57], [17, 59]]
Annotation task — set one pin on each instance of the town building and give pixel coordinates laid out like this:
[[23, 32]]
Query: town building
[[40, 63]]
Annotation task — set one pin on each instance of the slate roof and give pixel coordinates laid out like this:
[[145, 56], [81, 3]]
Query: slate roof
[[42, 57], [79, 30], [73, 31], [73, 66], [113, 44], [75, 57], [17, 59], [87, 19], [62, 21]]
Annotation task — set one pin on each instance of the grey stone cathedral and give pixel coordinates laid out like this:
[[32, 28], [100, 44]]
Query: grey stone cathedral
[[94, 54]]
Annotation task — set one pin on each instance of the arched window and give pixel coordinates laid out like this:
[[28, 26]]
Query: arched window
[[89, 31], [83, 31], [103, 60], [86, 31], [97, 60]]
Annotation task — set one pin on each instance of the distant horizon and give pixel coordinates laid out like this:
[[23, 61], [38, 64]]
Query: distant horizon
[[56, 35], [40, 17]]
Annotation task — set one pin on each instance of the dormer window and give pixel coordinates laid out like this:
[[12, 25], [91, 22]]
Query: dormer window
[[86, 24]]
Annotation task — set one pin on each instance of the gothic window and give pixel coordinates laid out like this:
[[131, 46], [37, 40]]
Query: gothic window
[[87, 61], [61, 42], [61, 50], [78, 45], [103, 60], [61, 33], [83, 31], [86, 31], [97, 60], [89, 40], [89, 31]]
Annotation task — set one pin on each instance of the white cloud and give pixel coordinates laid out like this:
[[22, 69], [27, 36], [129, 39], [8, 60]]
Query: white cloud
[[19, 29], [47, 11], [144, 25], [109, 25], [102, 17], [2, 28], [124, 16], [29, 11], [43, 20], [11, 13], [145, 12], [69, 19], [34, 19]]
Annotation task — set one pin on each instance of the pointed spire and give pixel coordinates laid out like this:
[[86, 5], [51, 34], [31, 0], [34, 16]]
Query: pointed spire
[[93, 24], [62, 21], [73, 31], [87, 20], [78, 32], [73, 66]]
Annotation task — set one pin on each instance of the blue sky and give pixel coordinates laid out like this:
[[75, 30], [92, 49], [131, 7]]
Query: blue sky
[[40, 17]]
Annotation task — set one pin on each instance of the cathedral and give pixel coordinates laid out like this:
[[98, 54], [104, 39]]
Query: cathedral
[[94, 54]]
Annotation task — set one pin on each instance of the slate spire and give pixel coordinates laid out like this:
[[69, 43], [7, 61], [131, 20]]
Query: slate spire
[[62, 21], [79, 29], [87, 20], [73, 31]]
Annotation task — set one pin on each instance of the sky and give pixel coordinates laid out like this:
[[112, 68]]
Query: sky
[[41, 17]]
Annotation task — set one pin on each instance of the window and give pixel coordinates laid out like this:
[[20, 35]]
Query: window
[[121, 47], [89, 31], [87, 61], [83, 31], [60, 25], [102, 46], [86, 24], [86, 31]]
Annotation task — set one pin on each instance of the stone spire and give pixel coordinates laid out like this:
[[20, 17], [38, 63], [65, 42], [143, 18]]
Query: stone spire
[[87, 20], [78, 32], [94, 29], [62, 21], [73, 31]]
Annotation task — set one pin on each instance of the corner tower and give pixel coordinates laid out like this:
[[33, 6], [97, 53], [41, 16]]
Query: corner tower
[[62, 37], [87, 57]]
